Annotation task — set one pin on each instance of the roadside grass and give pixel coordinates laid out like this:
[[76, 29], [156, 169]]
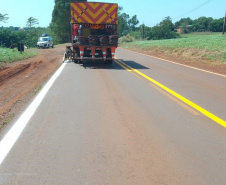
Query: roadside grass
[[199, 46], [195, 34], [11, 55], [38, 89], [9, 119]]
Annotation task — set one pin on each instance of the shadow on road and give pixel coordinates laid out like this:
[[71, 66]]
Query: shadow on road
[[134, 64], [98, 65], [113, 66]]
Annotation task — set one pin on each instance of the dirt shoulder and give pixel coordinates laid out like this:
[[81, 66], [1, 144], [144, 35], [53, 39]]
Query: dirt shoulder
[[21, 80], [193, 61]]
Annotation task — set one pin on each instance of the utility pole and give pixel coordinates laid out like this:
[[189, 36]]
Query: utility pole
[[143, 30], [224, 24]]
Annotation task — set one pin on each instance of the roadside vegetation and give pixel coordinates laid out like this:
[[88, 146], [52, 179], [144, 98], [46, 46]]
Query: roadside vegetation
[[188, 39], [28, 36], [11, 55], [9, 119], [38, 89], [210, 46]]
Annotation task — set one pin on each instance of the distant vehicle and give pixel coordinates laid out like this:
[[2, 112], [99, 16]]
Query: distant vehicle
[[45, 42], [45, 35]]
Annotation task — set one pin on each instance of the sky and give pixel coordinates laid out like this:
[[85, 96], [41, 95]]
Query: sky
[[149, 12]]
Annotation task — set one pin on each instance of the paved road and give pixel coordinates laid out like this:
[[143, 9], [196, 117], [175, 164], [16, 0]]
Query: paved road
[[102, 124]]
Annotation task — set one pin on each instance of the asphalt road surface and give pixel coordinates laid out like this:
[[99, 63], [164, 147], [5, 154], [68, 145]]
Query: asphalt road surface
[[112, 124]]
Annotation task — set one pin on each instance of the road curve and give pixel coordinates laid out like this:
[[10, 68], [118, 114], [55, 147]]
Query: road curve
[[102, 124]]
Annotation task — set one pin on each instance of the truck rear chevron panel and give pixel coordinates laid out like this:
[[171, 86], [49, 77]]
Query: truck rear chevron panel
[[94, 13]]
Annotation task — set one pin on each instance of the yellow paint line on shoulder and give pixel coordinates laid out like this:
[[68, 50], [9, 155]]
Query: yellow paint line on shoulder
[[176, 100], [183, 99], [128, 69]]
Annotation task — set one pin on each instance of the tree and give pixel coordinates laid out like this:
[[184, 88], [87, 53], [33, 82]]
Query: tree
[[3, 17], [167, 23], [125, 23], [184, 21], [32, 33], [216, 25], [133, 22], [123, 27], [202, 23], [60, 23], [7, 37], [185, 24], [164, 30], [144, 32], [31, 21]]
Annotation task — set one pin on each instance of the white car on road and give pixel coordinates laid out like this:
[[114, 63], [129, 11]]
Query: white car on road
[[45, 42]]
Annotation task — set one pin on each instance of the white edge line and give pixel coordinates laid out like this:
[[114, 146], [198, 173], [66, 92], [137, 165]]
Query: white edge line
[[11, 137], [176, 63]]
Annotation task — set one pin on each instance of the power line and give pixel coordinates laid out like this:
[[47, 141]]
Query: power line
[[200, 6]]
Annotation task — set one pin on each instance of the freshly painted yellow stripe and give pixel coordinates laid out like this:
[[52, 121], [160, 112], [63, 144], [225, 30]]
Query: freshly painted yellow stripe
[[123, 66], [176, 100], [190, 103]]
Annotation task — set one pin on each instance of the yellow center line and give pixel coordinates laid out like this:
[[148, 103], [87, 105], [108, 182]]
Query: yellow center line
[[126, 68], [180, 97], [123, 66], [182, 104]]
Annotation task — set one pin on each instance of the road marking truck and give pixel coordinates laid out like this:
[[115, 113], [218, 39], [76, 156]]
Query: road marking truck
[[94, 32]]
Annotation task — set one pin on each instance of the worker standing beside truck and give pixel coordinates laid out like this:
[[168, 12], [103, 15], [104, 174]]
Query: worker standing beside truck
[[94, 28], [75, 32]]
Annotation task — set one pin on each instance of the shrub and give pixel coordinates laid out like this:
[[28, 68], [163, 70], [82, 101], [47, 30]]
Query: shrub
[[127, 38]]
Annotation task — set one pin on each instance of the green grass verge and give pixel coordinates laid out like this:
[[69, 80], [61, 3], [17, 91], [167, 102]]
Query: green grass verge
[[9, 119], [11, 55], [37, 89], [195, 34], [208, 46]]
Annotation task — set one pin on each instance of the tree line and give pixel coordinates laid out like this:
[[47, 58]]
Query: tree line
[[60, 28], [28, 35], [9, 37], [200, 24], [166, 29]]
